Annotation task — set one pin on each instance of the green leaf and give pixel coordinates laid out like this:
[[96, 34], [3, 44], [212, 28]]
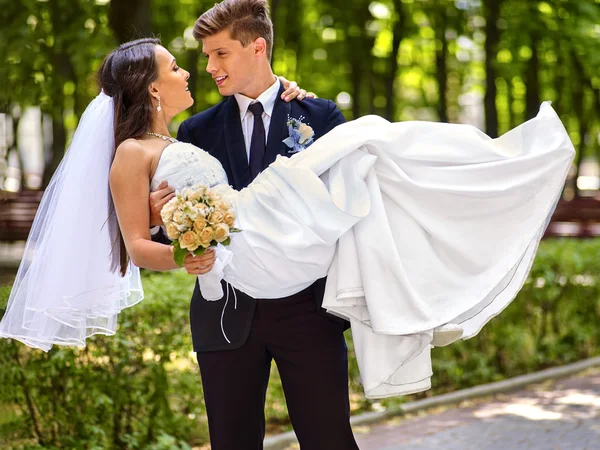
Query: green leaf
[[226, 241], [179, 254], [199, 251]]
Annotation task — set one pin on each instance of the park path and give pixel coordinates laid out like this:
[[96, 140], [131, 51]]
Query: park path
[[559, 415]]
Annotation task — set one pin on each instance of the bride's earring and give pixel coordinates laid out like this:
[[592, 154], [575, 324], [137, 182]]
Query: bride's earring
[[158, 108]]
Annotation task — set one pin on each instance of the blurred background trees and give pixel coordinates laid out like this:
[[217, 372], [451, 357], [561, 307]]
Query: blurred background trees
[[485, 62], [489, 63]]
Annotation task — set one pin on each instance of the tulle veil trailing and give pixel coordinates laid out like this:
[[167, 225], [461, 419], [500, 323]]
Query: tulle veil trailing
[[66, 289]]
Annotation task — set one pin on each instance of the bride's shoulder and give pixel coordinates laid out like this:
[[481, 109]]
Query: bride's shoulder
[[132, 152], [134, 148], [130, 146]]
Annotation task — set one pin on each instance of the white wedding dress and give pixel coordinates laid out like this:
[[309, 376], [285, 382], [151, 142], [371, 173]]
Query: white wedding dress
[[415, 225]]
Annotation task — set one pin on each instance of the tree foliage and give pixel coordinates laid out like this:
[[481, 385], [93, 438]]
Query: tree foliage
[[487, 61]]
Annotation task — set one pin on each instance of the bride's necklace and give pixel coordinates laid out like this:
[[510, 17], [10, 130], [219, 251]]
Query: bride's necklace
[[162, 136]]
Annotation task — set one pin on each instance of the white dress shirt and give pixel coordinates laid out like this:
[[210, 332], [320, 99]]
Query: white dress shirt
[[267, 98]]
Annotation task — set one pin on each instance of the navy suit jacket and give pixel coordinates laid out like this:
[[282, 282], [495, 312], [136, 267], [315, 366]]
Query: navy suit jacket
[[218, 131]]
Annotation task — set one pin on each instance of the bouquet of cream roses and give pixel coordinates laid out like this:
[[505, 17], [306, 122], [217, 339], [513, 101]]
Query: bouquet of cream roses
[[196, 219]]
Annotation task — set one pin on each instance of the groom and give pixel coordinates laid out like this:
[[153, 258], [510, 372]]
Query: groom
[[236, 343]]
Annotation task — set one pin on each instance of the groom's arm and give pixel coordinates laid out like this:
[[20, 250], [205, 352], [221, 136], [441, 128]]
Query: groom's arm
[[334, 116], [183, 134]]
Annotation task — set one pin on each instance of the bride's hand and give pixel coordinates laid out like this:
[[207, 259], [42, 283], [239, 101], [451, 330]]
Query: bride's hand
[[292, 91], [199, 265]]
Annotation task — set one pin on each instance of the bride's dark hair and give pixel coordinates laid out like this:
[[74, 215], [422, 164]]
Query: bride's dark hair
[[125, 75]]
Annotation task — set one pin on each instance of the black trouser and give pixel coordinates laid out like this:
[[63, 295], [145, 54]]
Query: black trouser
[[311, 355]]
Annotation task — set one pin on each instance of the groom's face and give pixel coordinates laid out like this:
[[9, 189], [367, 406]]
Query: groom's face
[[231, 65]]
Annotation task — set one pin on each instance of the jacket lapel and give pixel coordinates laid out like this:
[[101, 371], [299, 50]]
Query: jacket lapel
[[277, 129], [236, 147]]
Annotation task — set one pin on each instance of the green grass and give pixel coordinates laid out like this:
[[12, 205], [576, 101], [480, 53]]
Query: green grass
[[4, 293]]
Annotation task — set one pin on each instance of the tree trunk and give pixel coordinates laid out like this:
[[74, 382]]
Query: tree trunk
[[357, 80], [578, 105], [558, 76], [578, 91], [64, 71], [276, 25], [292, 35], [64, 68], [583, 131], [373, 93], [358, 47], [130, 19], [59, 143], [390, 80], [532, 95], [512, 119], [441, 55], [492, 14]]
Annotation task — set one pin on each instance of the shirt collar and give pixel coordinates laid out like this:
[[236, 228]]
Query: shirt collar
[[267, 98]]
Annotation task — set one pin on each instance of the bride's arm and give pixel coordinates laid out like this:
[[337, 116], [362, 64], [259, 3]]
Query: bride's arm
[[130, 188]]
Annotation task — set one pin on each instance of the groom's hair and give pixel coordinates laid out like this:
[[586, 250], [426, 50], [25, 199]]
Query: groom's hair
[[246, 20]]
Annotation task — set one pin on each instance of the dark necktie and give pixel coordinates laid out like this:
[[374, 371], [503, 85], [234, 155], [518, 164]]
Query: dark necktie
[[257, 144]]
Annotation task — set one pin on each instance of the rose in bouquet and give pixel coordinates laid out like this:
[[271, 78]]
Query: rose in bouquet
[[196, 219]]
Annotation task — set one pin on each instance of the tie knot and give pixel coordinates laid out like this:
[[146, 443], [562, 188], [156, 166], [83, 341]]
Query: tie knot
[[256, 108]]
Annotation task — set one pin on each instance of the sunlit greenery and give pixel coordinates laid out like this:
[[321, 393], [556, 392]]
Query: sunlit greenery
[[141, 388], [403, 59]]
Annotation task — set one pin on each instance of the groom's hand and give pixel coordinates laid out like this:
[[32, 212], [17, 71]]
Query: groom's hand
[[158, 199], [199, 265]]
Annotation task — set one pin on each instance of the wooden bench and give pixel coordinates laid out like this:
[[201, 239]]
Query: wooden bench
[[578, 218], [17, 211]]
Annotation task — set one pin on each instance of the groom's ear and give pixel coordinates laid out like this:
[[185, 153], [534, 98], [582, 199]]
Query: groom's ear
[[260, 46]]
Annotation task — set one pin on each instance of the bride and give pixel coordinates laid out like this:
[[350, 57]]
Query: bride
[[416, 225]]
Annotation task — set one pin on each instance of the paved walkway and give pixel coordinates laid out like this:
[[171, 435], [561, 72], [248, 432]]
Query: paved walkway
[[561, 415]]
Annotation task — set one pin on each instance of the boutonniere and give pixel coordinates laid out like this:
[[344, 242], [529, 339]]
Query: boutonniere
[[301, 135]]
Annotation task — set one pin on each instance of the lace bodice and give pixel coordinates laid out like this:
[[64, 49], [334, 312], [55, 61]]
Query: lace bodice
[[184, 165]]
